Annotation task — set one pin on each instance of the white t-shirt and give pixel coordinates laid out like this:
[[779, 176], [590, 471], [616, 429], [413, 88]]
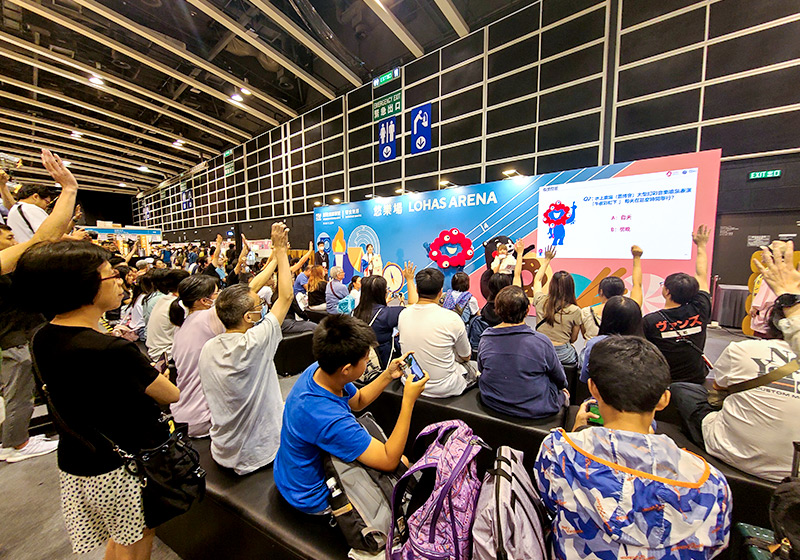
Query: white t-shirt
[[755, 429], [436, 336], [241, 387], [160, 330], [34, 215], [265, 294], [506, 263]]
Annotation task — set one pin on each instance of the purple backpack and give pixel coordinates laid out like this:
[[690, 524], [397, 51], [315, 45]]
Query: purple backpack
[[434, 519]]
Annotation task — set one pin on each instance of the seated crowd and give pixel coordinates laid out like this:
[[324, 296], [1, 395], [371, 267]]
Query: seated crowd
[[219, 317]]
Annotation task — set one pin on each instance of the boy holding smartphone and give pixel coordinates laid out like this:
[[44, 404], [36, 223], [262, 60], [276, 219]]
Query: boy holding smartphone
[[318, 414]]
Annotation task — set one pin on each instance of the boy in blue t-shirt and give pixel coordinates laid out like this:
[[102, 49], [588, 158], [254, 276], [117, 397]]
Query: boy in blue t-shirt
[[318, 414]]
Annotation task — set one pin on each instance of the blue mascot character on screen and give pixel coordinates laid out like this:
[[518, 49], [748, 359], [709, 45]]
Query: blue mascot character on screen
[[556, 217]]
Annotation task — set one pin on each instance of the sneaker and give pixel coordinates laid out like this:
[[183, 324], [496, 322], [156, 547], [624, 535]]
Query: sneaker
[[34, 448], [6, 452]]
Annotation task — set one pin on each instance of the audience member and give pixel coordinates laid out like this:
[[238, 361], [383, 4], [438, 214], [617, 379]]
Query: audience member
[[679, 330], [755, 428], [520, 371], [335, 290], [557, 313], [17, 323], [355, 289], [194, 315], [437, 337], [459, 299], [237, 369], [6, 197], [316, 288], [160, 330], [621, 315], [620, 491], [97, 384], [318, 415], [496, 283], [783, 277], [609, 287], [301, 282], [133, 315], [373, 308], [30, 211]]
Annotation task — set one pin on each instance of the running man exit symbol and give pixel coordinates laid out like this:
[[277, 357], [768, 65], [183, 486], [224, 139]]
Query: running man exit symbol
[[421, 129], [387, 147]]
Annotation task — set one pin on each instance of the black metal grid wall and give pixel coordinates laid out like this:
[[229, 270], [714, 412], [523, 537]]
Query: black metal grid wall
[[557, 85]]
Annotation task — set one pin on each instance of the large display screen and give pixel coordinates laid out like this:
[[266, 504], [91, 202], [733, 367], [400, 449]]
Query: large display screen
[[592, 216]]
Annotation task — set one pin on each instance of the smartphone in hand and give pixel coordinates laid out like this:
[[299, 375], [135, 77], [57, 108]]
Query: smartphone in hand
[[162, 363], [414, 367]]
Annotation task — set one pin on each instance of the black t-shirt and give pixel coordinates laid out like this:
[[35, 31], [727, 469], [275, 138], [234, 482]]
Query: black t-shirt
[[489, 315], [16, 324], [669, 329], [97, 383], [317, 296]]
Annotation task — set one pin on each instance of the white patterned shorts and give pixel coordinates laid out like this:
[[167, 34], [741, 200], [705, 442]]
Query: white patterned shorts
[[100, 507]]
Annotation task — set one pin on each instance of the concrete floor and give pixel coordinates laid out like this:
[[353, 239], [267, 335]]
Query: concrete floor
[[32, 527]]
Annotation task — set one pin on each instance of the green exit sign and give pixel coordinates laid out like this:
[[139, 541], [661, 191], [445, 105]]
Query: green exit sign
[[387, 77], [765, 174], [227, 153]]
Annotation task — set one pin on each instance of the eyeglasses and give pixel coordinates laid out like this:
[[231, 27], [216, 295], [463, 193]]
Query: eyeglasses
[[114, 276]]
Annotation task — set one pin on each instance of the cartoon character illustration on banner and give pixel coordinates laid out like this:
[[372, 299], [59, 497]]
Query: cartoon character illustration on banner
[[556, 217], [450, 251]]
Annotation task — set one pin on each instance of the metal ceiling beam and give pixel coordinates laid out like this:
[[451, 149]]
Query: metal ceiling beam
[[84, 81], [110, 142], [37, 158], [286, 23], [96, 109], [146, 60], [183, 53], [13, 147], [99, 122], [386, 15], [232, 25], [453, 16], [87, 186], [111, 78], [12, 138], [71, 144], [84, 182], [44, 130]]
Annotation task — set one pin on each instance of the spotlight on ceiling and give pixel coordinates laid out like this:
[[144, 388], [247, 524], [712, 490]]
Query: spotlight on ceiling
[[66, 163], [337, 200], [317, 203], [178, 143], [139, 194], [511, 173], [399, 190], [123, 185], [368, 195], [144, 169], [96, 81], [447, 184], [76, 134], [245, 91], [237, 97]]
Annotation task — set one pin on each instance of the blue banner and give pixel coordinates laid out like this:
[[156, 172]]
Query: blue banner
[[387, 146], [421, 129]]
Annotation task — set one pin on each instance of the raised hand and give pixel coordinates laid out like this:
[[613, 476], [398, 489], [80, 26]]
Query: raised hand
[[519, 247], [78, 213], [636, 251], [778, 269], [3, 177], [218, 241], [409, 270], [550, 253], [280, 235], [245, 244], [701, 236], [58, 171]]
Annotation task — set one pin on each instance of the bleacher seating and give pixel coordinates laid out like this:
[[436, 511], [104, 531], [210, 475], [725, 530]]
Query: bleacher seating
[[316, 316], [243, 517], [294, 353]]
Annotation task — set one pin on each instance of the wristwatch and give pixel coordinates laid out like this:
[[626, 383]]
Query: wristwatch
[[787, 300]]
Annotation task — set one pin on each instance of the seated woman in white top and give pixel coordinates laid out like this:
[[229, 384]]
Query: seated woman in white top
[[609, 287]]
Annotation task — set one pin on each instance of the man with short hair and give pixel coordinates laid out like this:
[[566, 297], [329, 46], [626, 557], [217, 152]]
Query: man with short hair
[[318, 416], [7, 238], [30, 211], [321, 257], [438, 338], [619, 490], [679, 330], [301, 282], [237, 368]]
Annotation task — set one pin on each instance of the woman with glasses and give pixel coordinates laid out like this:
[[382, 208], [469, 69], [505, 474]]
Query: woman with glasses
[[98, 384]]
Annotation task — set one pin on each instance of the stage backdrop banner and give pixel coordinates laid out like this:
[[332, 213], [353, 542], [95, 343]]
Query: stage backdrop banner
[[591, 216]]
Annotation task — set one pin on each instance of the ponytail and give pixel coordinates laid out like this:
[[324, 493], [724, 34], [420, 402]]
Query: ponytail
[[190, 290]]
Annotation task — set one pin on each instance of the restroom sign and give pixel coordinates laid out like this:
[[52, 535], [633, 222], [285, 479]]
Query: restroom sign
[[387, 145]]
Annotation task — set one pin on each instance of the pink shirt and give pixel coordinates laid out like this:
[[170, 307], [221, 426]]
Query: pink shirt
[[762, 302], [199, 328]]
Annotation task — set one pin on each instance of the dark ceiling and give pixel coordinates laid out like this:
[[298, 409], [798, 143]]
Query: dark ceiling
[[165, 71]]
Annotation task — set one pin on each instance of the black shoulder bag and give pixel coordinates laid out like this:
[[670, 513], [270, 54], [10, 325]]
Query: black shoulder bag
[[170, 474]]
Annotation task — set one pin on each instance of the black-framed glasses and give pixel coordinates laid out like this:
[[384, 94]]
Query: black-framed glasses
[[114, 276]]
